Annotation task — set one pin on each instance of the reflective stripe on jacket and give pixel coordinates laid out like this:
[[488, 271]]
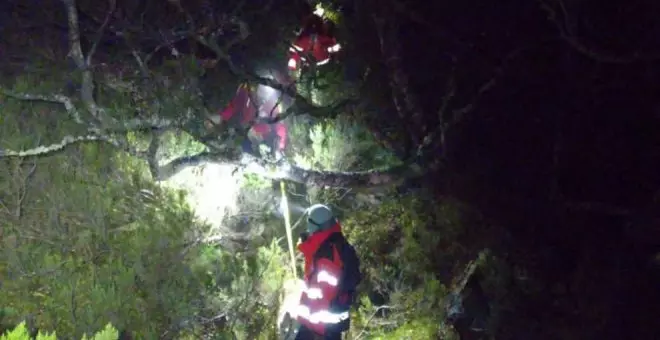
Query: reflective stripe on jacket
[[323, 278]]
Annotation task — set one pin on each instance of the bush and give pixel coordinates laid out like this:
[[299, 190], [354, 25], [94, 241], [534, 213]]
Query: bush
[[87, 239], [79, 257], [245, 289], [404, 241], [21, 333], [400, 243]]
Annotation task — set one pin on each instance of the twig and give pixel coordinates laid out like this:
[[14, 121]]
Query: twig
[[67, 140], [52, 98], [568, 36], [76, 53], [101, 31], [24, 190], [373, 315], [152, 152]]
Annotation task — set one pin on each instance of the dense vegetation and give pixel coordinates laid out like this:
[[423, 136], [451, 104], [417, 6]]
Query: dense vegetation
[[476, 171]]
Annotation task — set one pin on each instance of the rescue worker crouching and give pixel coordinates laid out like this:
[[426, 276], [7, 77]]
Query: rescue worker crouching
[[271, 136], [331, 276], [267, 139]]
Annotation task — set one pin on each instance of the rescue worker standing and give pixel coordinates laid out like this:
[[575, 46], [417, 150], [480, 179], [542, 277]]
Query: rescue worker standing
[[332, 273], [316, 39]]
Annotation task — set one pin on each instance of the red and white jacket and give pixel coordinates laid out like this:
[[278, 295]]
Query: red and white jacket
[[312, 41], [322, 279]]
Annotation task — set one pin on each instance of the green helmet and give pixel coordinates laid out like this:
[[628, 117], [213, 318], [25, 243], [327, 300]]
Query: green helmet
[[319, 217]]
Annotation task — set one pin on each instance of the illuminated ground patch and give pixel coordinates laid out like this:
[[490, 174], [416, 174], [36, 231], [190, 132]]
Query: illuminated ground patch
[[212, 190]]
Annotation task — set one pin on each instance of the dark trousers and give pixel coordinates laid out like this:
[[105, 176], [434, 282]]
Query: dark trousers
[[248, 147], [305, 333]]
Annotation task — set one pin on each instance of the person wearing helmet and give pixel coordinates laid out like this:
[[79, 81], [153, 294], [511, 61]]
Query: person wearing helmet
[[331, 276], [251, 103], [271, 135], [316, 40]]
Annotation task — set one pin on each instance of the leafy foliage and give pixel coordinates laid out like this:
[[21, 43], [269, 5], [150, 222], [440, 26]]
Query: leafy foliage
[[401, 243], [251, 288], [338, 145], [20, 332], [87, 241], [404, 242]]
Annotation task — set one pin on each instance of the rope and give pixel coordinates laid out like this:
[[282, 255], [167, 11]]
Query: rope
[[287, 225]]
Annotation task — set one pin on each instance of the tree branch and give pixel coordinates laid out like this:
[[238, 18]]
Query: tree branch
[[101, 31], [52, 98], [66, 141], [282, 170], [153, 122], [76, 54], [566, 34], [405, 101], [109, 127], [459, 114]]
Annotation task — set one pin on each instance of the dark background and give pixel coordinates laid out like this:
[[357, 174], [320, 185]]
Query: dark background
[[563, 153]]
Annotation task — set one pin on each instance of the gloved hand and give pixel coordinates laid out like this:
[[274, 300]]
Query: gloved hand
[[264, 149], [303, 236], [278, 154]]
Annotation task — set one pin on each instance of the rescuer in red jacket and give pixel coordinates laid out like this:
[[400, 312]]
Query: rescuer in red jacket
[[243, 110], [332, 273], [316, 40], [240, 111], [274, 136]]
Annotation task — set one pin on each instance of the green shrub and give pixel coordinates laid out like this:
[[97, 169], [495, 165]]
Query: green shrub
[[399, 243], [21, 332]]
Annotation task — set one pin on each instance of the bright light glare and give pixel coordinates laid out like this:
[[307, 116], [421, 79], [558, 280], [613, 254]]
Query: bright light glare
[[282, 207], [212, 190], [292, 63], [319, 11], [293, 289], [334, 48], [266, 92], [283, 170]]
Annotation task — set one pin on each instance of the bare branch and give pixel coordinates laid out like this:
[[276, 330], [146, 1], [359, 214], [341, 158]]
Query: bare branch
[[566, 34], [363, 332], [101, 31], [371, 179], [23, 190], [459, 114], [177, 165], [153, 122], [52, 98], [405, 101], [76, 53], [152, 152], [282, 170], [66, 141]]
